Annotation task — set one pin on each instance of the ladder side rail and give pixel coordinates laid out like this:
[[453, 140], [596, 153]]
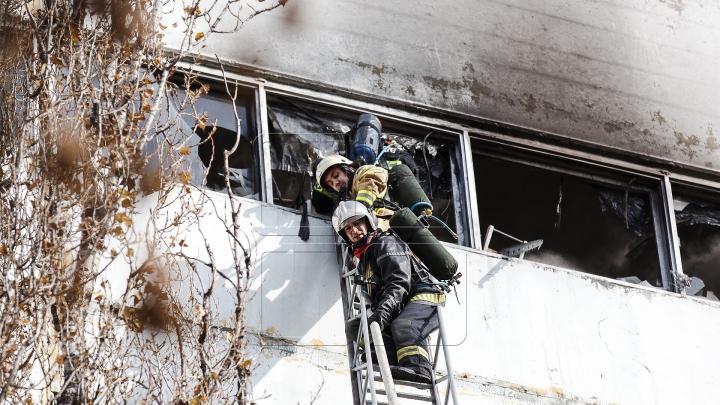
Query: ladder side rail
[[434, 393], [347, 304], [383, 363], [357, 364], [368, 354], [436, 355], [362, 384], [448, 363], [352, 312]]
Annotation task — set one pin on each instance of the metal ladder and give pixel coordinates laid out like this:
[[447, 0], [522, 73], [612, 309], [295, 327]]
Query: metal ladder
[[363, 373]]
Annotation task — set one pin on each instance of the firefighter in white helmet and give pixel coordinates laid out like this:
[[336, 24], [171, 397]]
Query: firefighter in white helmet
[[363, 183], [404, 298]]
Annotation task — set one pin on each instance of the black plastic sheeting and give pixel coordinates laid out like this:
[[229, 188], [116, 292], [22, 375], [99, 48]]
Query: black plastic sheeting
[[439, 185], [635, 209], [639, 214], [695, 214], [298, 137]]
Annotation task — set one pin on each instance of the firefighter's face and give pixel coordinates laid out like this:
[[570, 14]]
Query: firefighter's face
[[336, 178], [356, 230]]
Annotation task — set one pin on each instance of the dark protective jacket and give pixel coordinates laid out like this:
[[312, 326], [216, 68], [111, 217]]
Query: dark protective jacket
[[394, 278]]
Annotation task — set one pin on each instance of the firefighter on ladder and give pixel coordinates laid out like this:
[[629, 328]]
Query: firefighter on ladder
[[403, 297]]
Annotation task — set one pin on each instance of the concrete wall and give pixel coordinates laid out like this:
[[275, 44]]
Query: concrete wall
[[635, 75], [523, 333]]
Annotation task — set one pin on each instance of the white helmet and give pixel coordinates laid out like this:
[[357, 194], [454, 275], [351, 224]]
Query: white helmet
[[348, 212], [326, 163]]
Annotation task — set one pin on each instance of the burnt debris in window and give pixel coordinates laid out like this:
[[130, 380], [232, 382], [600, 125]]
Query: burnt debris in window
[[203, 165], [243, 163], [300, 133], [433, 157], [698, 227], [583, 226]]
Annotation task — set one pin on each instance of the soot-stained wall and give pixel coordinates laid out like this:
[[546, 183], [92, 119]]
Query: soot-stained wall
[[636, 75]]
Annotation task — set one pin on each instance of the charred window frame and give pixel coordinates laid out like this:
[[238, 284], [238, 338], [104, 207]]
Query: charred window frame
[[648, 190], [246, 163], [284, 176]]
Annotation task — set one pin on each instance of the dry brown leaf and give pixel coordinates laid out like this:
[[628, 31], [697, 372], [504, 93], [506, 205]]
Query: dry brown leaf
[[199, 36], [122, 217], [185, 150], [74, 33], [185, 177]]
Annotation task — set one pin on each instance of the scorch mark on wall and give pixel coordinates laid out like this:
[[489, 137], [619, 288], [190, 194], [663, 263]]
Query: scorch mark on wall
[[686, 143], [375, 70]]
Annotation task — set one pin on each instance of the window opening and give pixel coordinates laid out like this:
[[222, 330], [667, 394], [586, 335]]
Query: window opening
[[698, 227], [218, 133], [585, 224], [299, 134], [302, 132]]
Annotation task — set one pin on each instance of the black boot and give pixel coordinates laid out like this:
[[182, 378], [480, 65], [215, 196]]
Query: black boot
[[419, 374]]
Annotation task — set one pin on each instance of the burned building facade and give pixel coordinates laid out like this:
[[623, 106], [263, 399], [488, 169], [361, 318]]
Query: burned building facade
[[589, 125]]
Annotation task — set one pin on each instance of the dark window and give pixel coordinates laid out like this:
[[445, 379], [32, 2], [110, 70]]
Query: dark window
[[581, 219], [219, 134], [698, 227]]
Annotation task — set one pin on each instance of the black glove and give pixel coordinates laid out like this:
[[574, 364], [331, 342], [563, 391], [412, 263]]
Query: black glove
[[322, 203], [358, 163], [382, 314]]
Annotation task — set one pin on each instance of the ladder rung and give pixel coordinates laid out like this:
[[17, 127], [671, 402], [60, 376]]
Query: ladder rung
[[370, 402], [353, 318], [350, 273], [363, 366], [405, 395]]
